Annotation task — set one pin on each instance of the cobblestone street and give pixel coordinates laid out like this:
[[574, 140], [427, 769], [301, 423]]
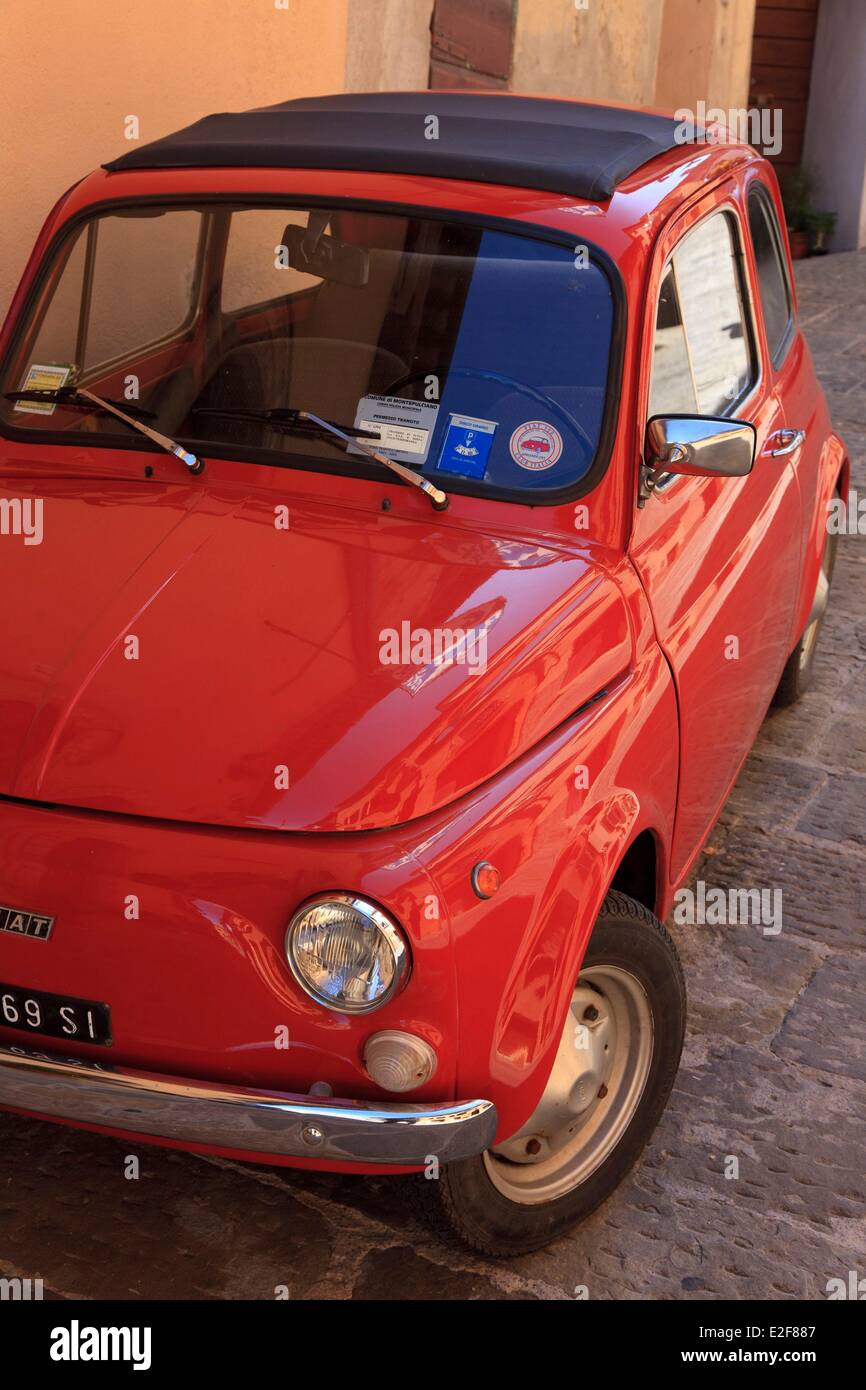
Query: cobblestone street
[[774, 1070]]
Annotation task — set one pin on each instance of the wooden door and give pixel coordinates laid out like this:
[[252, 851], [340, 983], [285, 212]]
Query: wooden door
[[471, 44]]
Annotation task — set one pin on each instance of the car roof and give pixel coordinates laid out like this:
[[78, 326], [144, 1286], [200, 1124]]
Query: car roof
[[582, 149]]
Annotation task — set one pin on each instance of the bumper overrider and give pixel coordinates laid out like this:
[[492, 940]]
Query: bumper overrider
[[253, 1121]]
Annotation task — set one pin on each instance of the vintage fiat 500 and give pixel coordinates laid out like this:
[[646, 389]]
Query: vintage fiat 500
[[411, 505]]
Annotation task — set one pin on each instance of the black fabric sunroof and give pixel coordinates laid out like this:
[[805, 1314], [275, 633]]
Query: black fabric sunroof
[[559, 146]]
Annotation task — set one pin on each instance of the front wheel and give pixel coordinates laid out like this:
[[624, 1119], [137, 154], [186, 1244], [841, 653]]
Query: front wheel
[[610, 1082]]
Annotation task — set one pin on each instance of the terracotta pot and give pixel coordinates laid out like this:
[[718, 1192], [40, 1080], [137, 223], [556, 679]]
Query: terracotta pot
[[799, 244]]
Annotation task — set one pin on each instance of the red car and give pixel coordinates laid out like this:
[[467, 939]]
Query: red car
[[411, 505]]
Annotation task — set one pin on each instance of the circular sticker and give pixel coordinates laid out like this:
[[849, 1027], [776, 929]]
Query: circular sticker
[[536, 445]]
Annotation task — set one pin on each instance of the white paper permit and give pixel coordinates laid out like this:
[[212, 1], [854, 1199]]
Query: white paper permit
[[405, 427], [43, 376]]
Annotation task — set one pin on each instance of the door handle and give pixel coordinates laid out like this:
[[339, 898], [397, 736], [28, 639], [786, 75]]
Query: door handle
[[786, 441]]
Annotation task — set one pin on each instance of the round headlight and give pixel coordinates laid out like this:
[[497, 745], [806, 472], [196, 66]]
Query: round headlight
[[346, 953]]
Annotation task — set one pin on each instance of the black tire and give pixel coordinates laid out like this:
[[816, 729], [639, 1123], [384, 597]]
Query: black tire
[[463, 1201], [800, 666]]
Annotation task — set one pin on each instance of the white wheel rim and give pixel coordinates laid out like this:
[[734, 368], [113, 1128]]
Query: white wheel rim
[[595, 1087]]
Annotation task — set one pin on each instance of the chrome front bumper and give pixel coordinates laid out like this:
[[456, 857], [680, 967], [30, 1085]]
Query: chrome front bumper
[[261, 1122]]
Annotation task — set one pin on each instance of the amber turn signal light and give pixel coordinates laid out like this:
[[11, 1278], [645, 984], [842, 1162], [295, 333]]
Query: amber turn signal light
[[485, 879]]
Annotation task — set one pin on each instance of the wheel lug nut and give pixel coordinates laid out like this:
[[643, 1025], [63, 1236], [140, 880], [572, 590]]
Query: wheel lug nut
[[533, 1146], [590, 1013]]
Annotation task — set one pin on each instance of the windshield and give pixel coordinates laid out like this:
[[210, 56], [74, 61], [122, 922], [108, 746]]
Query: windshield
[[474, 356]]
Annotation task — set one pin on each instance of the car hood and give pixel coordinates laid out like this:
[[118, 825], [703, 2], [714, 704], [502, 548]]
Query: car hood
[[177, 652]]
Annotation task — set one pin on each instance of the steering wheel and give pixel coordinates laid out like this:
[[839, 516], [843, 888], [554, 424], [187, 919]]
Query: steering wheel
[[501, 380]]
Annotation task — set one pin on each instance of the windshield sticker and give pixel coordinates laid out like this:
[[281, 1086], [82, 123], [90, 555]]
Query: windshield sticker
[[536, 445], [466, 447], [405, 427], [47, 376]]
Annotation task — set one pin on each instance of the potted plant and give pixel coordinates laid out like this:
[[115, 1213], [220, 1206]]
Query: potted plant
[[822, 225], [797, 200]]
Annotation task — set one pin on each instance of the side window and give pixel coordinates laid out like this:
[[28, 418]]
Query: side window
[[253, 273], [702, 354], [672, 391], [149, 266], [772, 276]]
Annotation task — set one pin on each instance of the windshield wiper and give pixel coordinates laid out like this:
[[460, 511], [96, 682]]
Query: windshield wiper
[[303, 420], [71, 397], [78, 396], [279, 418], [436, 495]]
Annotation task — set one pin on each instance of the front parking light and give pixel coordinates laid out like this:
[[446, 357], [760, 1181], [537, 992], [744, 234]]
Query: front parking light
[[346, 953]]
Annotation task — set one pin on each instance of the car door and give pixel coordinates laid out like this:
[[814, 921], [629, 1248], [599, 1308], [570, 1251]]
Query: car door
[[718, 557], [804, 429]]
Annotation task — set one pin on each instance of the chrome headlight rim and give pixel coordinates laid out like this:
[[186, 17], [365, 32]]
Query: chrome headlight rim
[[379, 918]]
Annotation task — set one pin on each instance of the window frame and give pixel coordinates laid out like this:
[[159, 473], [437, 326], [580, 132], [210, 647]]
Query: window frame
[[89, 228], [760, 193], [746, 294], [175, 335], [348, 466], [669, 267]]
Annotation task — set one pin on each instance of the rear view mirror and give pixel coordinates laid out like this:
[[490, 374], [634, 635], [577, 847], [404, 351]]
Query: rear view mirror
[[699, 446], [315, 253]]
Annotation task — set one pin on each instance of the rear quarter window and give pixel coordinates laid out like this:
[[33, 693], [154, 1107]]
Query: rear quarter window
[[772, 272]]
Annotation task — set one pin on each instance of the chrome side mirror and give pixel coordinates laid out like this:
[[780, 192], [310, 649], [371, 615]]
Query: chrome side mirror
[[700, 446]]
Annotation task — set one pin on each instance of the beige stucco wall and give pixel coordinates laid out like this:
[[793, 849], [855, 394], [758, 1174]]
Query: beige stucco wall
[[69, 75], [389, 45], [606, 51], [665, 53], [68, 80], [705, 53]]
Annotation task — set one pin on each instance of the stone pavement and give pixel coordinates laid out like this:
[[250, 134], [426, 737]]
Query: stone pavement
[[774, 1071]]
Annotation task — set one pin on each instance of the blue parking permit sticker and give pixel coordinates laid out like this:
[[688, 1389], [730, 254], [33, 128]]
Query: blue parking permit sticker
[[466, 447]]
